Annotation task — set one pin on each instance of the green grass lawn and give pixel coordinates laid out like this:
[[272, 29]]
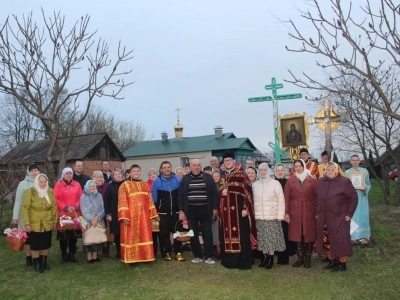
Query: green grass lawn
[[373, 273]]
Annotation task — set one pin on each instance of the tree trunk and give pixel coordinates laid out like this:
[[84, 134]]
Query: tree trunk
[[396, 201], [386, 193]]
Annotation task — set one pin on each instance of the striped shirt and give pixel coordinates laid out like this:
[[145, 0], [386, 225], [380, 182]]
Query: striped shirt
[[197, 194]]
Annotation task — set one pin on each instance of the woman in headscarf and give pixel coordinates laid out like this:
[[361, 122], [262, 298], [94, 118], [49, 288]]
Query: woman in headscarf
[[283, 256], [269, 211], [92, 207], [300, 197], [252, 174], [101, 185], [39, 214], [68, 194], [336, 203], [31, 172], [111, 207]]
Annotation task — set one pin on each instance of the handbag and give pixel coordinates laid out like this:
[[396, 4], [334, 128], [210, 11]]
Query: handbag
[[110, 236], [95, 235]]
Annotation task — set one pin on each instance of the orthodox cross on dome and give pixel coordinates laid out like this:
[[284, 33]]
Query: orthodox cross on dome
[[177, 112], [327, 119], [274, 87]]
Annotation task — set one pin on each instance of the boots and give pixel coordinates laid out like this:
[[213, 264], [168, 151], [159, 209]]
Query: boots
[[29, 261], [340, 267], [308, 248], [263, 261], [64, 258], [38, 265], [71, 258], [43, 259], [332, 263], [270, 261], [300, 256]]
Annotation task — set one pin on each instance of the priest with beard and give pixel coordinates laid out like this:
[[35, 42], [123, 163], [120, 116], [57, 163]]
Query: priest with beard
[[238, 231], [310, 165]]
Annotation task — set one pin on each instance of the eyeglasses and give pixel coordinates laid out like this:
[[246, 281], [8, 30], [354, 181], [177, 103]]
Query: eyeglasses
[[228, 159]]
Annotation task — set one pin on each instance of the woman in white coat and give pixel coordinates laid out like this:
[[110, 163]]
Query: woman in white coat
[[269, 209]]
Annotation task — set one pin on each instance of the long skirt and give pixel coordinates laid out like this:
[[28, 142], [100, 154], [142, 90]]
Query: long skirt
[[40, 240], [290, 246], [270, 235]]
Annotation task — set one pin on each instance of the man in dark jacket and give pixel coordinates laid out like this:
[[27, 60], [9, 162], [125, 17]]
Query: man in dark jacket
[[198, 202], [78, 174], [165, 197]]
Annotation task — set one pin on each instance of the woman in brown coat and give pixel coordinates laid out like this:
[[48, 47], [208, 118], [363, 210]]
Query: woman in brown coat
[[300, 196], [336, 202]]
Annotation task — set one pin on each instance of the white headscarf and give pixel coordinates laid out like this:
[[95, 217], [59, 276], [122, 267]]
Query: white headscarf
[[64, 171], [264, 166], [42, 192], [302, 176]]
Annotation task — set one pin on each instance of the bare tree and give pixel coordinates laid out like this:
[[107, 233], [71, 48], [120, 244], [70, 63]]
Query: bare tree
[[124, 132], [37, 64], [350, 46], [16, 124]]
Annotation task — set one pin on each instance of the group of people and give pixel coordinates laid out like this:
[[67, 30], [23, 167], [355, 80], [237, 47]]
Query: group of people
[[240, 213]]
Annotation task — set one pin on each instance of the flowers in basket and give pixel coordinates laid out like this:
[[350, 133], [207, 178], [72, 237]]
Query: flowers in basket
[[81, 222], [15, 233]]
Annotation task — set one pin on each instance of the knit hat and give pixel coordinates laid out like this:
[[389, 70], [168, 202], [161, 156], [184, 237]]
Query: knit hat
[[228, 154]]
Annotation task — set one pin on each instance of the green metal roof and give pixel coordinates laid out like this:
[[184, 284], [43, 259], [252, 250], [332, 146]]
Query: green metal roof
[[190, 144]]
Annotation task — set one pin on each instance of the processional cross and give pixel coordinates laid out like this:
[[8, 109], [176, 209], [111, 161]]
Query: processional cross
[[275, 98], [327, 120]]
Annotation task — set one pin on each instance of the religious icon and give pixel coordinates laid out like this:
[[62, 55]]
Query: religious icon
[[293, 132], [358, 180]]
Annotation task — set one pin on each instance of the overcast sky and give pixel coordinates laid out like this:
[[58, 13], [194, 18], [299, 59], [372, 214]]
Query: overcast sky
[[204, 57]]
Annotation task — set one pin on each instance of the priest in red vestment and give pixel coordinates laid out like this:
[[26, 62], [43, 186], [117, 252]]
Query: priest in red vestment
[[136, 210], [310, 165], [238, 230]]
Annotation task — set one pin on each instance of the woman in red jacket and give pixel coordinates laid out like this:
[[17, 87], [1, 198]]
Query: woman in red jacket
[[68, 193], [300, 197]]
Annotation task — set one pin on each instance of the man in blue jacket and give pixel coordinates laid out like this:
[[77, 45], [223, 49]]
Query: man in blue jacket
[[165, 196]]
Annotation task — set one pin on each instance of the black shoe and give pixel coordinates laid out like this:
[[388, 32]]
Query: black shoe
[[64, 258], [38, 265], [270, 262], [332, 263], [71, 258], [263, 262], [90, 261], [325, 260], [29, 261], [116, 257], [307, 261], [96, 259], [341, 267], [43, 259]]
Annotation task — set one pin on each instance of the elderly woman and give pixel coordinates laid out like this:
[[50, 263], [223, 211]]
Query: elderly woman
[[29, 181], [92, 208], [101, 186], [269, 211], [68, 194], [39, 213], [283, 256], [111, 207], [336, 203], [300, 197], [252, 174]]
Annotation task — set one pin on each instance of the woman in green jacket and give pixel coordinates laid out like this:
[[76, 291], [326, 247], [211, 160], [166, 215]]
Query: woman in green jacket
[[39, 213]]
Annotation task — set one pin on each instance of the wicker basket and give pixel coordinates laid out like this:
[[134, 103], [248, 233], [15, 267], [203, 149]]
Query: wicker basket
[[70, 226], [183, 236], [15, 244], [155, 226]]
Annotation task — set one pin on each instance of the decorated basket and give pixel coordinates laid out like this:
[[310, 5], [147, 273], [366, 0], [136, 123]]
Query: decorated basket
[[67, 222], [15, 244], [184, 235], [155, 226]]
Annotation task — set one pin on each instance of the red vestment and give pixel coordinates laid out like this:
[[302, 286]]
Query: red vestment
[[136, 205]]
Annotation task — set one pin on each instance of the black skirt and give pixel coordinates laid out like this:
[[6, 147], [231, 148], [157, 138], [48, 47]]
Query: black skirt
[[40, 240], [68, 234]]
